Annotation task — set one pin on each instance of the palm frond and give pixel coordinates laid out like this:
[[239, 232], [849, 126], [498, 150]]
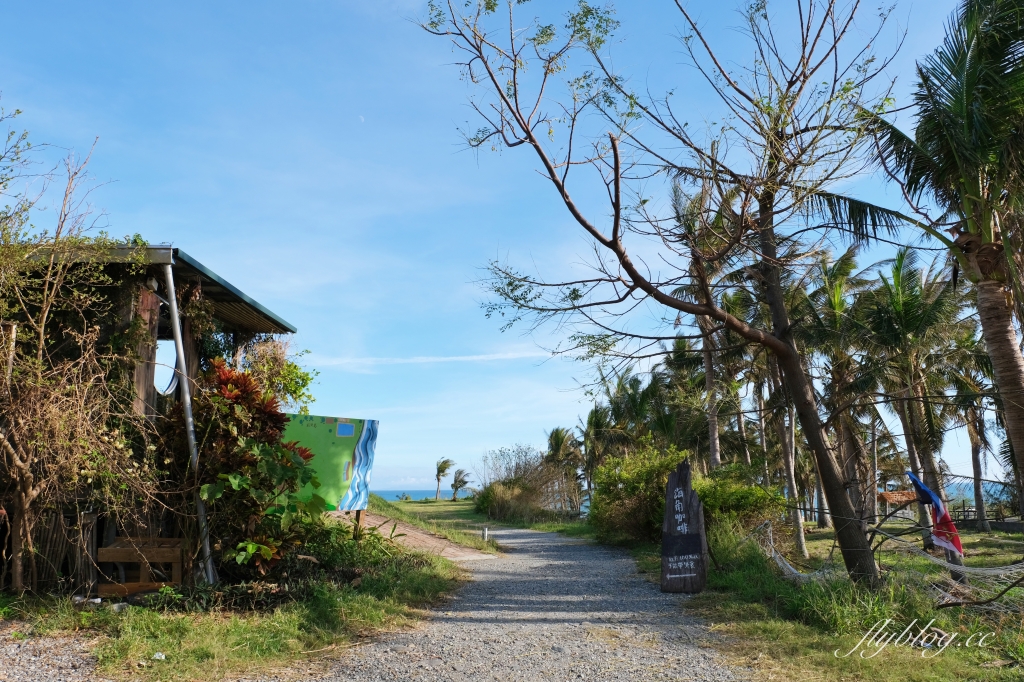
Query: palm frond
[[861, 219]]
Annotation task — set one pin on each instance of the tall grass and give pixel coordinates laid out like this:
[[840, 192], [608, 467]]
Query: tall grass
[[750, 593], [327, 609]]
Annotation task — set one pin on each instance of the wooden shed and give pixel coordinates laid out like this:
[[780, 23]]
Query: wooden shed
[[73, 549]]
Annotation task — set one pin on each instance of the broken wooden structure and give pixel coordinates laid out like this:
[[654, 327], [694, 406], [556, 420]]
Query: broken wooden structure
[[92, 553]]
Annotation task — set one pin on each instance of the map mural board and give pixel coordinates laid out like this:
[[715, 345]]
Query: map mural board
[[342, 457]]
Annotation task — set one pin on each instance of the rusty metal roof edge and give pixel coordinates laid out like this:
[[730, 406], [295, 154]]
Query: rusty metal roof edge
[[188, 260]]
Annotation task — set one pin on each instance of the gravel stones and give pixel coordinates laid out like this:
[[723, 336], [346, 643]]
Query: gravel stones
[[552, 608], [43, 659]]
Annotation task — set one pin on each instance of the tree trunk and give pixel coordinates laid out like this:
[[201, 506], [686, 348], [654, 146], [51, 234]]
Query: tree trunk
[[873, 481], [17, 549], [785, 427], [981, 518], [852, 457], [925, 453], [915, 468], [794, 491], [437, 495], [741, 424], [760, 418], [760, 430], [996, 317], [857, 555], [823, 519], [714, 454]]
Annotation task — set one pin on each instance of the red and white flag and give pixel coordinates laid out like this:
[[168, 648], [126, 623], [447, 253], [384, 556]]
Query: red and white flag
[[944, 533]]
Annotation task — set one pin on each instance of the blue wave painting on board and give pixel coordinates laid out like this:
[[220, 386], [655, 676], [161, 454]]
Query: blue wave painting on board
[[358, 495]]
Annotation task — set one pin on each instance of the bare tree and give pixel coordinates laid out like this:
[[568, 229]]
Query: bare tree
[[68, 434], [793, 128]]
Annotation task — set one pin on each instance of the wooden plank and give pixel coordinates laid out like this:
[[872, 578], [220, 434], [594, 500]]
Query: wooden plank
[[138, 555], [145, 542], [124, 589], [684, 547]]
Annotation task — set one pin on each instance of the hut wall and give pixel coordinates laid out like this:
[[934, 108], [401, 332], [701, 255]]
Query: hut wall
[[148, 309]]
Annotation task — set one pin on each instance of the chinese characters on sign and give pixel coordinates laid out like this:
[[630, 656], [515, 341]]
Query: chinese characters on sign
[[680, 511], [684, 549]]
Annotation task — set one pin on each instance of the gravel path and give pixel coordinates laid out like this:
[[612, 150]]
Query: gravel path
[[44, 659], [552, 608]]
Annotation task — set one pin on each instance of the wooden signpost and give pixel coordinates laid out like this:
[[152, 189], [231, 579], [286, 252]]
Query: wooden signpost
[[684, 547]]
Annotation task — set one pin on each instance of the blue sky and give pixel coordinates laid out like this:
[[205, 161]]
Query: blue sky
[[308, 152]]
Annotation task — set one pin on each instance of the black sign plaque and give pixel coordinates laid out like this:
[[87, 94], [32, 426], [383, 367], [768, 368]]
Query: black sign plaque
[[684, 547]]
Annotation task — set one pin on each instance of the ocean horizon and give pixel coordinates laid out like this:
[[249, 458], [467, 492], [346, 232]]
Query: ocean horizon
[[394, 495]]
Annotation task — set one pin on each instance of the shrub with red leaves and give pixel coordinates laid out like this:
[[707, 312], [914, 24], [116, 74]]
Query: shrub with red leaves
[[247, 474]]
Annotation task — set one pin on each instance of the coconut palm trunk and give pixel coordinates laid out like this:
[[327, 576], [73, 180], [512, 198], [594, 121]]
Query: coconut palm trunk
[[714, 451], [742, 427], [785, 426], [980, 513], [794, 490], [873, 481], [915, 468], [996, 314], [823, 519]]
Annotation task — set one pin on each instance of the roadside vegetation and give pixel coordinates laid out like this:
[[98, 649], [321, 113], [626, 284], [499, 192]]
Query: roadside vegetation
[[451, 519], [341, 591], [803, 348]]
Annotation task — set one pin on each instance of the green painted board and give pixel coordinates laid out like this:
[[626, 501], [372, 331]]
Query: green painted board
[[342, 456]]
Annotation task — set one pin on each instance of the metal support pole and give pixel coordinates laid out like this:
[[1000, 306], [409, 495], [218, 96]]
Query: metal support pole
[[190, 428]]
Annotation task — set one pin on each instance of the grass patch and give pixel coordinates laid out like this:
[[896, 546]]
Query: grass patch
[[792, 631], [574, 529], [786, 631], [459, 515], [325, 616], [453, 520]]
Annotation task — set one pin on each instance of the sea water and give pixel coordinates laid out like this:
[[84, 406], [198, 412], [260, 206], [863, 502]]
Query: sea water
[[393, 495]]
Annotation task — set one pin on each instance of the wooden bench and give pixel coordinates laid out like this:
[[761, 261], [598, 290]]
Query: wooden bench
[[145, 552]]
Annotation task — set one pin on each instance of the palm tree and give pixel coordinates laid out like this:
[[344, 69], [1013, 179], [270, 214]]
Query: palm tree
[[966, 154], [831, 331], [565, 455], [443, 467], [595, 437], [460, 479], [912, 317], [971, 381]]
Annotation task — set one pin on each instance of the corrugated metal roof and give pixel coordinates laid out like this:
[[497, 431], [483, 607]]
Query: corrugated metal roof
[[235, 311]]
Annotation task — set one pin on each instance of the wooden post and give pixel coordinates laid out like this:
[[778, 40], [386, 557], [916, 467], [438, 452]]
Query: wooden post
[[148, 309], [684, 547], [357, 530]]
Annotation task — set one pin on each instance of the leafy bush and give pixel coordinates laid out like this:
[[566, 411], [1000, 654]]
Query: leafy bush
[[728, 496], [629, 492], [250, 477]]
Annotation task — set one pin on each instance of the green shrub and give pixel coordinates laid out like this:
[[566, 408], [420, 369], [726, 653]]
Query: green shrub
[[729, 497], [629, 493]]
